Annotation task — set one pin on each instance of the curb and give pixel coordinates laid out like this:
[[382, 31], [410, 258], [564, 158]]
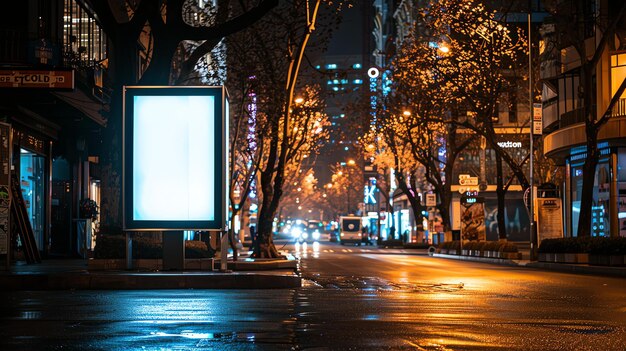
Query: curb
[[498, 261], [140, 281], [566, 268], [580, 269]]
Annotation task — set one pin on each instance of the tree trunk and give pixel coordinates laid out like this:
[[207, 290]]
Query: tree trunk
[[501, 192], [589, 172]]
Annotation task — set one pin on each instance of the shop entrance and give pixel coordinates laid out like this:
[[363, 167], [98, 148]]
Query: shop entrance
[[32, 182]]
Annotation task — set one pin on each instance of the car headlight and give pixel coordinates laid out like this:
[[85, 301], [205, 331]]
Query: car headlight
[[305, 235], [316, 235], [296, 232]]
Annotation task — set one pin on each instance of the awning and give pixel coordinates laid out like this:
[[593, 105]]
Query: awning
[[84, 104]]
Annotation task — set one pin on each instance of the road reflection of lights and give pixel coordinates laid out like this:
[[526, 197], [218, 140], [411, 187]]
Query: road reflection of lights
[[297, 249], [316, 250], [305, 252], [371, 317]]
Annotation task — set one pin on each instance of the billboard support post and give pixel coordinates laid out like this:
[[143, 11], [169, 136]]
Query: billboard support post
[[175, 163], [224, 251]]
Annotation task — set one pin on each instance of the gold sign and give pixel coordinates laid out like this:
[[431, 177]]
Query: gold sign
[[36, 79]]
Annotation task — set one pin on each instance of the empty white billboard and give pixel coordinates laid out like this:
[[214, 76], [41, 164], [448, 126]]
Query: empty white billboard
[[174, 155]]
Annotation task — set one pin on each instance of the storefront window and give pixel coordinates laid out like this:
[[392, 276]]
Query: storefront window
[[621, 190], [32, 183], [600, 205]]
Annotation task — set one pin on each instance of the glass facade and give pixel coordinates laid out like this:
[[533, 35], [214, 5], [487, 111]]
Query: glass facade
[[469, 160], [32, 183], [83, 39], [602, 205]]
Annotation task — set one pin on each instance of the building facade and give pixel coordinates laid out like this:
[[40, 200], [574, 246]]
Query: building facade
[[52, 65], [565, 135]]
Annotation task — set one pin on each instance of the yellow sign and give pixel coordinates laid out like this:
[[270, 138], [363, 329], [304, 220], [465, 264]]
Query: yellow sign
[[37, 79]]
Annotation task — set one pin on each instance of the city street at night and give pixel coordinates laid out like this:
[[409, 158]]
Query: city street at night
[[431, 175], [353, 298]]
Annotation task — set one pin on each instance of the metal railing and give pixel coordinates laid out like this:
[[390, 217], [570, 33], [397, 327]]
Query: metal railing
[[12, 46], [572, 117], [619, 110]]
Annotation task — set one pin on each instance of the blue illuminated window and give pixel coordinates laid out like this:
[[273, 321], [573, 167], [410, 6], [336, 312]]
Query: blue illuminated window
[[358, 81], [356, 66], [331, 66]]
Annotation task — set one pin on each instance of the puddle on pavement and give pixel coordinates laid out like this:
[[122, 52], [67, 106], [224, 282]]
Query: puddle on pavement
[[376, 284]]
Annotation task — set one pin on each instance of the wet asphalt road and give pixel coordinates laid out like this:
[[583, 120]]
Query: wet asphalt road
[[355, 298]]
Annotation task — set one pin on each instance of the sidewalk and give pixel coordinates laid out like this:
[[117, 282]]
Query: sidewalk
[[559, 267], [66, 274]]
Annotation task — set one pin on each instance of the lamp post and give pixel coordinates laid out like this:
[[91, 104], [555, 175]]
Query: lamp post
[[531, 127]]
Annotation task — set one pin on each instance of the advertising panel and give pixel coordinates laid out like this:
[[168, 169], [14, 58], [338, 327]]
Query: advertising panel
[[549, 219], [5, 186], [473, 219], [174, 156]]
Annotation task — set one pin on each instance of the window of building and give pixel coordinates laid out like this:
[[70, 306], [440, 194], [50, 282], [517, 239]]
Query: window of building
[[618, 72], [84, 42], [331, 66]]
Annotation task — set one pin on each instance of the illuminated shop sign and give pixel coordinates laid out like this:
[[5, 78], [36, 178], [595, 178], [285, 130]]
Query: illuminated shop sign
[[174, 158], [510, 144], [48, 79], [370, 191]]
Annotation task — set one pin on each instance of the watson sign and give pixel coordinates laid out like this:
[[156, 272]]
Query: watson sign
[[175, 164]]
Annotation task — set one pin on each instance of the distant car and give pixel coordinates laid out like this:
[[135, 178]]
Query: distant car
[[314, 229], [299, 232]]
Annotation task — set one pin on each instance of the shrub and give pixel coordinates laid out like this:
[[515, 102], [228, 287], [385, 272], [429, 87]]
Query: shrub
[[416, 245], [491, 246], [114, 247], [470, 245], [508, 247], [450, 245], [592, 245]]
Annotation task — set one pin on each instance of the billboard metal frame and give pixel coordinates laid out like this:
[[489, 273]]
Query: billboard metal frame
[[220, 140]]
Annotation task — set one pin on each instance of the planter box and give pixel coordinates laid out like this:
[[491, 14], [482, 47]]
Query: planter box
[[453, 252], [511, 255], [156, 264], [576, 258], [616, 260], [542, 257], [606, 260], [599, 260], [492, 254], [559, 257], [465, 252]]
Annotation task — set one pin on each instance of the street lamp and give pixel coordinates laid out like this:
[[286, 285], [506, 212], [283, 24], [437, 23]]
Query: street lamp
[[531, 127]]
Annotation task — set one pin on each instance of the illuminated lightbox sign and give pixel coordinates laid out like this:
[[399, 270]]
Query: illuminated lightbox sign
[[174, 158]]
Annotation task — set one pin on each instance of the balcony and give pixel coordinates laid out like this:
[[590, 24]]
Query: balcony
[[572, 117], [619, 110], [12, 47], [550, 69]]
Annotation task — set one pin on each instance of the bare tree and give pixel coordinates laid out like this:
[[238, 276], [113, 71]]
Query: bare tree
[[576, 23], [163, 26]]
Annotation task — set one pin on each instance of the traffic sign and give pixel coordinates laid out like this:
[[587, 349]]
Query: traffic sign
[[537, 112], [431, 200]]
